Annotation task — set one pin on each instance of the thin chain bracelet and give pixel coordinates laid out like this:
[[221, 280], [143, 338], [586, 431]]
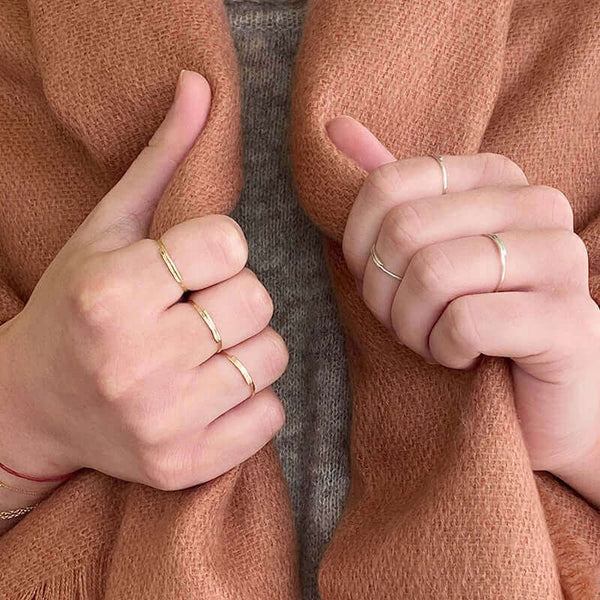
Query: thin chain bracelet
[[5, 515], [5, 485]]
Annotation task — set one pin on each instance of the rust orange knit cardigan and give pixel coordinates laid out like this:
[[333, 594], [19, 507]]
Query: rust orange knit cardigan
[[443, 503]]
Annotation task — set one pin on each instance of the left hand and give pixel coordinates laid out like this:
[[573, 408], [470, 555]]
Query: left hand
[[445, 308]]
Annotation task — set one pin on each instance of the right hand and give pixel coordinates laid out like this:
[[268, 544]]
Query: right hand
[[105, 368]]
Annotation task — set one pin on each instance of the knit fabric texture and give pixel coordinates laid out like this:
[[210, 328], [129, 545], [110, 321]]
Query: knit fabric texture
[[442, 501], [287, 255]]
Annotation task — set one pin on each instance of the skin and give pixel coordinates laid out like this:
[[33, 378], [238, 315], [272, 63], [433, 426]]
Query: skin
[[445, 308], [106, 368], [95, 374]]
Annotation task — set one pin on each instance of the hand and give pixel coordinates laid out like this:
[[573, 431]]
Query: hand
[[105, 368], [542, 316]]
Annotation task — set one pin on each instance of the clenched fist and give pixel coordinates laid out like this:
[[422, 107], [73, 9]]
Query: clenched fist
[[444, 297], [107, 368]]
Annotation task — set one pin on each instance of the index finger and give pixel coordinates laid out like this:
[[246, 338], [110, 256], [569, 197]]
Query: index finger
[[392, 182]]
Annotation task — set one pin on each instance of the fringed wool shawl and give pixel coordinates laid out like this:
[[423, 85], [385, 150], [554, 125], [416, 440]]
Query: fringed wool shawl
[[443, 503]]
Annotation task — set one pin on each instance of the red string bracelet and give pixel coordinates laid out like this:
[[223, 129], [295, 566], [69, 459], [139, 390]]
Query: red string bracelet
[[38, 479]]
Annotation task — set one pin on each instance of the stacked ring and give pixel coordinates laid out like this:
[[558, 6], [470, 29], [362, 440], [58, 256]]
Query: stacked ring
[[378, 262], [210, 324], [381, 266]]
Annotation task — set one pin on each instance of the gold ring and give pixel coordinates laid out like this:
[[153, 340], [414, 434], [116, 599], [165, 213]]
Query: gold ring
[[502, 250], [380, 265], [170, 265], [244, 372], [210, 323], [442, 164]]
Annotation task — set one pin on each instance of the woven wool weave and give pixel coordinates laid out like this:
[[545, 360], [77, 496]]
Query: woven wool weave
[[443, 502]]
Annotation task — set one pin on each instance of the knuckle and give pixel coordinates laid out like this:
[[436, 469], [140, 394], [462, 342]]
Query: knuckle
[[403, 227], [499, 168], [95, 295], [561, 210], [258, 301], [110, 385], [156, 151], [461, 329], [107, 386], [384, 181], [275, 355], [271, 416], [431, 268], [229, 241], [159, 470], [147, 433], [577, 251]]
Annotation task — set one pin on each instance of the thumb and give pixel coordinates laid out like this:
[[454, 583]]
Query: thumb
[[125, 213], [358, 143]]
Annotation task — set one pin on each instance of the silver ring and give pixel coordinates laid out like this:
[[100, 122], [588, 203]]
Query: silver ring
[[442, 164], [381, 266], [502, 250]]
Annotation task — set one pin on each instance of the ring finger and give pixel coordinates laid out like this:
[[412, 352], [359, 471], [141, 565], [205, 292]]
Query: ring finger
[[550, 259], [239, 308], [215, 387]]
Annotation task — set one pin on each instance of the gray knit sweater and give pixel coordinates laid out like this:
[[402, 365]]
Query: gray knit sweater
[[286, 254]]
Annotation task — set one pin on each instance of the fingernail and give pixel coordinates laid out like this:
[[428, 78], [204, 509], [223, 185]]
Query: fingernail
[[430, 362], [339, 118], [328, 123], [178, 86]]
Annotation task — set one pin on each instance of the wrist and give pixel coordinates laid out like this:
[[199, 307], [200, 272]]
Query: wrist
[[27, 443], [15, 492], [18, 500]]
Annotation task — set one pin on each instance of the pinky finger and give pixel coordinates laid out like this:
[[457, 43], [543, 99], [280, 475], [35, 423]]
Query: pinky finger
[[237, 435], [510, 324]]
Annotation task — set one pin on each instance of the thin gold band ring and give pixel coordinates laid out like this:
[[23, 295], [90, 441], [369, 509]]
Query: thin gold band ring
[[171, 265], [210, 324], [442, 164], [381, 266], [243, 371], [502, 251]]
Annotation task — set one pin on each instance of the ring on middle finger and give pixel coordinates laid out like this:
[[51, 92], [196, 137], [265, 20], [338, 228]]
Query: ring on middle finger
[[210, 324]]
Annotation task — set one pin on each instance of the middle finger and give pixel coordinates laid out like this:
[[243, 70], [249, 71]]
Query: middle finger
[[410, 227], [551, 259], [240, 308]]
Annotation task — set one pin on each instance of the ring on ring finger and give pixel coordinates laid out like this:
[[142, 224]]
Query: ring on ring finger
[[243, 372]]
